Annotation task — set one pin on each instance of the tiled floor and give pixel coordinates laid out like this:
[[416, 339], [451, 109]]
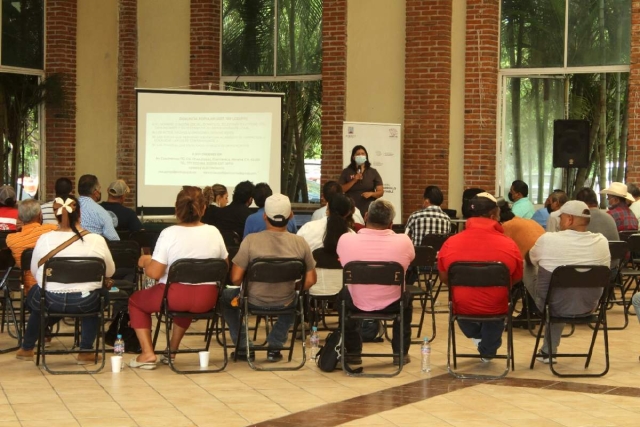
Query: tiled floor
[[239, 396]]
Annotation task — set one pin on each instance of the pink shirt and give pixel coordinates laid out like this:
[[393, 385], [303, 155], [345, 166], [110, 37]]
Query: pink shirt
[[375, 245]]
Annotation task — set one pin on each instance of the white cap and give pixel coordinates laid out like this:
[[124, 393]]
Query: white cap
[[277, 208], [576, 208]]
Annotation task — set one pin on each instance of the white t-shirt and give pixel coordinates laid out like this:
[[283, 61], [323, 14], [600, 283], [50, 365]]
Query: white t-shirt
[[313, 232], [322, 213], [91, 245], [570, 247], [635, 208], [177, 242], [553, 222]]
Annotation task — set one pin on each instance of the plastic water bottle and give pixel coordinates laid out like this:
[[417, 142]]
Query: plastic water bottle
[[118, 346], [425, 351], [314, 341]]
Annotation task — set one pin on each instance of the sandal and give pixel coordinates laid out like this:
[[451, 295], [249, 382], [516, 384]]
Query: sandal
[[165, 357], [142, 365]]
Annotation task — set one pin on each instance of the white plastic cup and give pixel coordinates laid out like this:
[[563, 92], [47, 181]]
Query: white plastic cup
[[116, 364], [204, 358]]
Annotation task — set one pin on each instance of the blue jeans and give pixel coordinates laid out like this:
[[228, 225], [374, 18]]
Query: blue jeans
[[490, 334], [277, 336], [635, 300], [71, 303]]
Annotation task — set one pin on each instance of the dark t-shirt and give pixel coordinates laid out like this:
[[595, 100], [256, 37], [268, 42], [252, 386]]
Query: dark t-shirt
[[127, 218], [370, 180], [232, 217]]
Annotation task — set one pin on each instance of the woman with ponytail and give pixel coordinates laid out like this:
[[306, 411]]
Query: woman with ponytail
[[74, 298], [190, 238]]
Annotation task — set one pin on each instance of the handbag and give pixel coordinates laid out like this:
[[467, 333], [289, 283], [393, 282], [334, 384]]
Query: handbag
[[329, 354], [120, 325]]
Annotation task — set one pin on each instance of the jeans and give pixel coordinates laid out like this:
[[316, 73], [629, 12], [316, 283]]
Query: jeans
[[635, 300], [278, 335], [70, 303], [489, 334]]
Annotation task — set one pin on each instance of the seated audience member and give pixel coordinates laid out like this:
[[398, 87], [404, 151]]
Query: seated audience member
[[556, 200], [430, 219], [328, 190], [635, 193], [482, 240], [325, 233], [525, 232], [63, 188], [376, 242], [94, 217], [255, 222], [31, 216], [600, 221], [617, 198], [127, 218], [8, 210], [216, 196], [74, 298], [274, 242], [233, 216], [573, 245], [190, 238], [522, 206]]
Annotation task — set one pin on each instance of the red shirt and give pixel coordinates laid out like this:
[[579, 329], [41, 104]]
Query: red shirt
[[482, 240], [8, 218]]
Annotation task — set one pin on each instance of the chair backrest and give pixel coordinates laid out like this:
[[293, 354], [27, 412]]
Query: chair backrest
[[326, 260], [373, 273], [145, 238], [618, 250], [230, 238], [125, 253], [579, 276], [479, 274], [398, 228], [73, 270], [425, 256], [633, 240], [3, 237], [191, 270], [7, 264], [275, 270], [434, 240], [25, 259], [625, 235]]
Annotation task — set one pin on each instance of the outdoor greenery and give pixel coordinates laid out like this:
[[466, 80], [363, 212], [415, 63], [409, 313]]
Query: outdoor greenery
[[533, 37], [248, 50]]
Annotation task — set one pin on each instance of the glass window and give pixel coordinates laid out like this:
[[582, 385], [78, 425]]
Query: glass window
[[299, 37], [22, 33]]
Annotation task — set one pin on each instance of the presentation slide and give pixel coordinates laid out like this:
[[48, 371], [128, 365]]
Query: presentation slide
[[202, 138]]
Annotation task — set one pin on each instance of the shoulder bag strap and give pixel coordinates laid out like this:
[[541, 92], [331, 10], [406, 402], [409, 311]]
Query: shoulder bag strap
[[64, 245]]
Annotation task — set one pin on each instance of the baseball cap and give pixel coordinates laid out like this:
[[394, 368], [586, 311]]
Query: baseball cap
[[118, 188], [576, 208], [278, 209], [482, 203], [7, 192]]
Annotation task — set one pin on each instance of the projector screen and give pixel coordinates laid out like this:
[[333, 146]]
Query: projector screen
[[203, 138]]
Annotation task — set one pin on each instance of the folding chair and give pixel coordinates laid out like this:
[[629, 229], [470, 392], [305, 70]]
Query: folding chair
[[424, 262], [125, 254], [582, 278], [478, 275], [435, 241], [619, 251], [7, 286], [326, 290], [275, 270], [70, 270], [630, 271], [189, 270], [374, 273]]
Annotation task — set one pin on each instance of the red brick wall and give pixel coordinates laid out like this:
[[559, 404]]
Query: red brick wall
[[205, 44], [334, 85], [60, 134], [126, 97], [633, 140], [481, 85], [426, 100]]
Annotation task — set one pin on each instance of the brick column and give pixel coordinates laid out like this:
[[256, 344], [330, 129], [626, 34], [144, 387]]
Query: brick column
[[633, 140], [126, 97], [426, 100], [205, 44], [60, 58], [481, 85], [334, 85]]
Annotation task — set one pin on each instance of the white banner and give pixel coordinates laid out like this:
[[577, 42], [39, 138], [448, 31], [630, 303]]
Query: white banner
[[382, 142]]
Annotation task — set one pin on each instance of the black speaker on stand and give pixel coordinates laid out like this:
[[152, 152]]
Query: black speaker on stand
[[570, 146]]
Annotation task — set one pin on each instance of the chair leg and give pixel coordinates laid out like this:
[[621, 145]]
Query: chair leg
[[545, 315]]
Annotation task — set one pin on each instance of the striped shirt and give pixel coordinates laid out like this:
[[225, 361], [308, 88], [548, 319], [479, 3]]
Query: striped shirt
[[430, 220], [48, 217], [96, 219], [27, 239]]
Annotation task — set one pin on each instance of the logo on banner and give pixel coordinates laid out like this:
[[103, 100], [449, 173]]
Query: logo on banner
[[350, 130], [393, 133]]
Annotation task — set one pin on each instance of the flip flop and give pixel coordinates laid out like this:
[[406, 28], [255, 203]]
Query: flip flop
[[142, 365]]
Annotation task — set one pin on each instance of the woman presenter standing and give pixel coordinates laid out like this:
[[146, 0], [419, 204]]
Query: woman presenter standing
[[360, 181]]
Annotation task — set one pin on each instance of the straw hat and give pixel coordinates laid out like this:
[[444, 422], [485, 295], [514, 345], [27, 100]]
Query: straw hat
[[618, 189]]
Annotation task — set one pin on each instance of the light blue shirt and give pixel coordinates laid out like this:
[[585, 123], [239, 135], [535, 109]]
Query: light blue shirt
[[255, 224], [541, 216], [96, 219], [523, 208]]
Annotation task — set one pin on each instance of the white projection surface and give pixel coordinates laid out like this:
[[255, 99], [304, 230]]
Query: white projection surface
[[202, 138]]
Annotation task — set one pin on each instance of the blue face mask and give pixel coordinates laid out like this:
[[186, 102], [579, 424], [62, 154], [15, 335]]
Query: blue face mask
[[360, 160]]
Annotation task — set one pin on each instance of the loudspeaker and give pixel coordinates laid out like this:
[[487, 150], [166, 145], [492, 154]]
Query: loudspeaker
[[570, 144]]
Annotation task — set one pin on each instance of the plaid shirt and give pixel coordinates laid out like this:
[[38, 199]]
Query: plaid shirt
[[430, 220], [624, 218]]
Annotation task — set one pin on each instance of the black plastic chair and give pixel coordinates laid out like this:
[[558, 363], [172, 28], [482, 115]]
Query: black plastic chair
[[435, 241], [189, 270], [373, 273], [275, 270], [619, 251], [71, 270], [7, 287], [424, 262], [581, 278], [127, 278], [479, 275], [319, 304], [3, 237]]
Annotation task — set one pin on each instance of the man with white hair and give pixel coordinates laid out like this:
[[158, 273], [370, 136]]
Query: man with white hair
[[573, 245]]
